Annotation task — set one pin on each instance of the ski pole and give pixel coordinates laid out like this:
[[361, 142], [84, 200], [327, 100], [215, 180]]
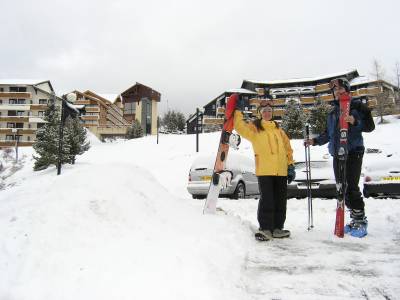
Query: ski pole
[[308, 174]]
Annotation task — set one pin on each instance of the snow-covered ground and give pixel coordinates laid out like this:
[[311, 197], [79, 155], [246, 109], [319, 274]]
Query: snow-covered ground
[[119, 224]]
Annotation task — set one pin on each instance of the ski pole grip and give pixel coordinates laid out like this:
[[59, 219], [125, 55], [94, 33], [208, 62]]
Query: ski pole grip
[[307, 131]]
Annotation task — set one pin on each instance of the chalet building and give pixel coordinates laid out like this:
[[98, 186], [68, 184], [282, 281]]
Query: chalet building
[[211, 116], [140, 102], [22, 107], [307, 92], [102, 117]]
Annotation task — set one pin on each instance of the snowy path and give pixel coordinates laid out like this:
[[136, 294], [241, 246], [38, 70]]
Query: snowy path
[[316, 264]]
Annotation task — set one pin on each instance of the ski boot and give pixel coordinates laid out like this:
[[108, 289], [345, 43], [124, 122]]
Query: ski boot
[[357, 228], [263, 235]]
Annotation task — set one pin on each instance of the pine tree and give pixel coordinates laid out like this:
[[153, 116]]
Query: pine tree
[[135, 131], [75, 139], [46, 144], [318, 117], [173, 121], [47, 141], [294, 119]]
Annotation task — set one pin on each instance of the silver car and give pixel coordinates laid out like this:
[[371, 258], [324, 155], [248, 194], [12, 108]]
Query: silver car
[[244, 181], [381, 174], [323, 183]]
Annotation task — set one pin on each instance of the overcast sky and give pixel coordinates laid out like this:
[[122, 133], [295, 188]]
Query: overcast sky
[[192, 51]]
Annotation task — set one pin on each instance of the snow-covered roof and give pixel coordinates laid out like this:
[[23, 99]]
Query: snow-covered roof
[[362, 80], [22, 81], [305, 79], [109, 97], [241, 91]]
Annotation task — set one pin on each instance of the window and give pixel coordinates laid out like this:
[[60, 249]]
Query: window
[[19, 125], [129, 108], [1, 101], [10, 125], [29, 138], [21, 101], [39, 125], [18, 89], [42, 101], [12, 113], [9, 137], [20, 113], [40, 113], [12, 101]]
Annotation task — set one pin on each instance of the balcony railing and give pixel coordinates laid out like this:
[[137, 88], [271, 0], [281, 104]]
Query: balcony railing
[[18, 119], [322, 87], [20, 130], [19, 95]]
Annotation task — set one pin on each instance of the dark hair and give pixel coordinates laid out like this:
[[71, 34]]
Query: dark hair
[[258, 125]]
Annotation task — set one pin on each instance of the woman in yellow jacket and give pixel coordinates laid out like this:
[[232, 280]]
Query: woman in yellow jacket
[[274, 168]]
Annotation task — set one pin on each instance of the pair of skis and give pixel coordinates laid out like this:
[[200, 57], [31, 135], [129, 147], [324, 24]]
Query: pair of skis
[[341, 185]]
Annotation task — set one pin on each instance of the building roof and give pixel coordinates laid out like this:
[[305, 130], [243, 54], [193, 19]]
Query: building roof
[[304, 79], [241, 91], [22, 81]]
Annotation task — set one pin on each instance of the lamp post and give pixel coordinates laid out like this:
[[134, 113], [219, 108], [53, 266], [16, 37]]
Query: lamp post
[[16, 131], [72, 98], [198, 122], [158, 127]]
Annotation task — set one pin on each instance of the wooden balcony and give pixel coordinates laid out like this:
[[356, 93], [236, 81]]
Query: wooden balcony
[[82, 102], [372, 103], [278, 112], [212, 121], [254, 101], [22, 119], [4, 143], [221, 110], [371, 91], [326, 98], [307, 100], [322, 87], [20, 131], [16, 95], [92, 109], [90, 118], [40, 107]]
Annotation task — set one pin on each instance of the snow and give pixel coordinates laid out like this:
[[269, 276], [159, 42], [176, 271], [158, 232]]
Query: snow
[[305, 79], [109, 97], [119, 224], [21, 81], [241, 91], [361, 80]]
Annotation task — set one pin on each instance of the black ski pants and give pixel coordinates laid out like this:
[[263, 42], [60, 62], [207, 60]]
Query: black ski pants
[[271, 213], [354, 199]]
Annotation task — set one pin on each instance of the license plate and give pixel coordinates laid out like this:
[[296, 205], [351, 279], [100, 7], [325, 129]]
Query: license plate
[[391, 178], [206, 178], [304, 186]]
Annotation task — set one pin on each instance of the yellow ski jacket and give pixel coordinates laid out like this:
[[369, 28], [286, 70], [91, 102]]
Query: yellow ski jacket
[[271, 146]]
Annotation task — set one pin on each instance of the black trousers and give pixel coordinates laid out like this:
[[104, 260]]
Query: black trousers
[[354, 199], [271, 213]]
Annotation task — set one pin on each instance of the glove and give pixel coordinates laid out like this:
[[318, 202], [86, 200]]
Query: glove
[[291, 174]]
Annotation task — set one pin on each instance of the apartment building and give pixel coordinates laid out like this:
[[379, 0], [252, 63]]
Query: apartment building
[[102, 117], [307, 92], [22, 107], [140, 102]]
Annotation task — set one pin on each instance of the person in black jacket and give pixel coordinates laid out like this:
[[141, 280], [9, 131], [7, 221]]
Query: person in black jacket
[[353, 199]]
